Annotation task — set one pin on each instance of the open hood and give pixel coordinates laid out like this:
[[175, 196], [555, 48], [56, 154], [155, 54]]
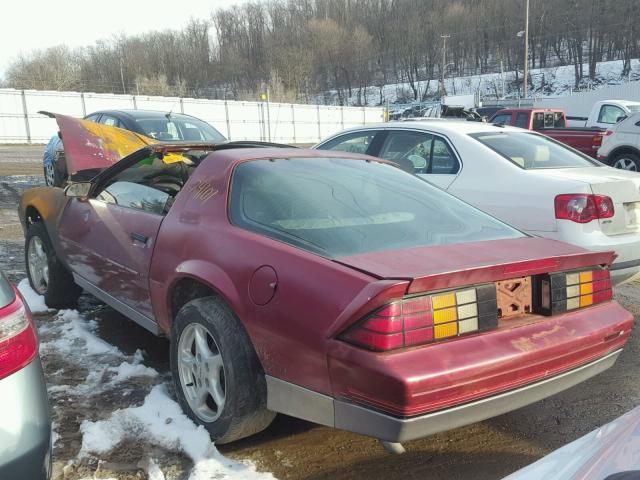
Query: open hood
[[89, 145]]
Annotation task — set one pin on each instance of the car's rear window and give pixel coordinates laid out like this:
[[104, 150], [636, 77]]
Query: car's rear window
[[174, 128], [6, 292], [339, 207], [532, 151]]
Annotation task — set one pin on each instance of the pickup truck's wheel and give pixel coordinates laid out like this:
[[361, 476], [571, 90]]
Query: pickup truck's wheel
[[627, 161], [218, 378], [47, 276]]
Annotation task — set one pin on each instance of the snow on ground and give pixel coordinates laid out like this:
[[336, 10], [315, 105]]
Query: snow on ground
[[88, 371], [35, 301], [161, 419], [547, 82]]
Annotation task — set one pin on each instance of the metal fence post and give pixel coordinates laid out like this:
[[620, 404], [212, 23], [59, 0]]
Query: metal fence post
[[181, 105], [26, 116], [319, 129], [135, 104], [226, 114], [364, 116], [293, 122], [84, 106], [342, 116]]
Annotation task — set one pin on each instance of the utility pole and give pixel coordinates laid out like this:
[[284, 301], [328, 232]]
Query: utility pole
[[526, 52], [443, 91], [122, 77]]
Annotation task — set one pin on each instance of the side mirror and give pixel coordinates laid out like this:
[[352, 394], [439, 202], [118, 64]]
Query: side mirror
[[78, 189]]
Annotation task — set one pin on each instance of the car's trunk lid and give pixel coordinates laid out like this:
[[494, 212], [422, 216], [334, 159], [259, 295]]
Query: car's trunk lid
[[445, 266], [621, 185]]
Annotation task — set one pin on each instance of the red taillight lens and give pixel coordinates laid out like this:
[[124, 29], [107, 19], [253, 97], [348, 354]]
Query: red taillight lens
[[18, 341], [597, 140], [583, 208], [426, 318]]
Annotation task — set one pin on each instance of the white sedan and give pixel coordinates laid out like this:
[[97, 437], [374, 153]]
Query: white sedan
[[523, 178]]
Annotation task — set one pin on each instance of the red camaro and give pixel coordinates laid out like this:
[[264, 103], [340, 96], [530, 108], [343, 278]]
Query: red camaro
[[328, 286]]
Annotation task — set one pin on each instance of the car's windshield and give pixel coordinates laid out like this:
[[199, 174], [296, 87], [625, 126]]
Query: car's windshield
[[6, 292], [340, 207], [532, 151], [177, 128]]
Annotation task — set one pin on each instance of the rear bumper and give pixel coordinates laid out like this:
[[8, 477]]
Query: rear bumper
[[300, 402], [25, 426], [392, 429]]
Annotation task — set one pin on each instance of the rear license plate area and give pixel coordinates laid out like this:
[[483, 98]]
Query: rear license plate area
[[514, 296], [632, 214]]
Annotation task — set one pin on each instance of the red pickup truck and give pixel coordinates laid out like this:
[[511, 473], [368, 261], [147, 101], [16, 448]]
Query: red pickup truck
[[552, 122]]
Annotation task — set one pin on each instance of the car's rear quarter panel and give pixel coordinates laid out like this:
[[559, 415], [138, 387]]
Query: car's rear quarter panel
[[290, 332]]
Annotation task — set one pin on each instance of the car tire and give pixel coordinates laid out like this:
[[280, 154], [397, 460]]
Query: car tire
[[47, 275], [626, 161], [218, 378], [60, 174]]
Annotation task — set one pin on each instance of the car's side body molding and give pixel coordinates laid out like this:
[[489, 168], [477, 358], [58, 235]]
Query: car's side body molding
[[116, 304], [284, 397]]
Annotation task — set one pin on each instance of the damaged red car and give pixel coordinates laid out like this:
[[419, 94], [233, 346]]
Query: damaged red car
[[328, 286]]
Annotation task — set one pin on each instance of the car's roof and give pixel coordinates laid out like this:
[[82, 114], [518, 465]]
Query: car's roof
[[135, 114], [227, 153], [436, 124]]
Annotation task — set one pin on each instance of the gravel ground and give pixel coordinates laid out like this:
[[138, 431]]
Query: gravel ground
[[291, 448]]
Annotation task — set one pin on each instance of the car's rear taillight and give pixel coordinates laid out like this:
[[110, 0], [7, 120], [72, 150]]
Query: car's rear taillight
[[582, 207], [560, 292], [597, 140], [18, 341], [608, 133], [427, 318]]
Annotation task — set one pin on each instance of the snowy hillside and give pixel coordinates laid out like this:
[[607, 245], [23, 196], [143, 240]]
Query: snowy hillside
[[547, 82]]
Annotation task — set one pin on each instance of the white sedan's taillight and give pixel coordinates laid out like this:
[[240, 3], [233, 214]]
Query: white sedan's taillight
[[18, 340], [582, 207]]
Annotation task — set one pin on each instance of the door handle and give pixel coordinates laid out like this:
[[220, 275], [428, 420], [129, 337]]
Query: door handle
[[138, 237]]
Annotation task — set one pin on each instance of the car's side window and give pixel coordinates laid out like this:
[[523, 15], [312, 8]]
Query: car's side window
[[502, 119], [610, 114], [522, 120], [150, 185], [111, 121], [356, 142], [443, 161], [93, 118], [411, 150], [135, 195]]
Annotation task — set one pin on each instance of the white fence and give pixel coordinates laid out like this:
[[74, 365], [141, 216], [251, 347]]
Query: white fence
[[276, 122]]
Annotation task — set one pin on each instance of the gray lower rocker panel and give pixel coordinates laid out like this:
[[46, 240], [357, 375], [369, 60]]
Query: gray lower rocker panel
[[116, 304], [302, 403]]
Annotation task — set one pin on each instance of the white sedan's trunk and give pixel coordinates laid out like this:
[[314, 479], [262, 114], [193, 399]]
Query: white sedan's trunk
[[622, 186]]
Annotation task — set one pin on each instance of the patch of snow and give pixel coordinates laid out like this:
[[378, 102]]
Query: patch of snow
[[127, 370], [74, 332], [153, 471], [33, 299], [55, 436], [160, 421]]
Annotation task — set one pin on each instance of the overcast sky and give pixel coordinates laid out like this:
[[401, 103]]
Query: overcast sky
[[34, 24]]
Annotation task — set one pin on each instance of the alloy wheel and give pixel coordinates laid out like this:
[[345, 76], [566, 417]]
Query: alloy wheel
[[625, 163], [201, 372], [38, 265], [49, 174]]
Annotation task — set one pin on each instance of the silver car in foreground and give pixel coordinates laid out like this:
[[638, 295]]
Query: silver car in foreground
[[25, 425]]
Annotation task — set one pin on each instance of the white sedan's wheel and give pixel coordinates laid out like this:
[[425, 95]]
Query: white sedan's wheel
[[201, 372]]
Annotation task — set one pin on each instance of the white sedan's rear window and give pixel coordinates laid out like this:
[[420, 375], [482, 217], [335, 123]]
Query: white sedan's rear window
[[340, 207], [532, 151]]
